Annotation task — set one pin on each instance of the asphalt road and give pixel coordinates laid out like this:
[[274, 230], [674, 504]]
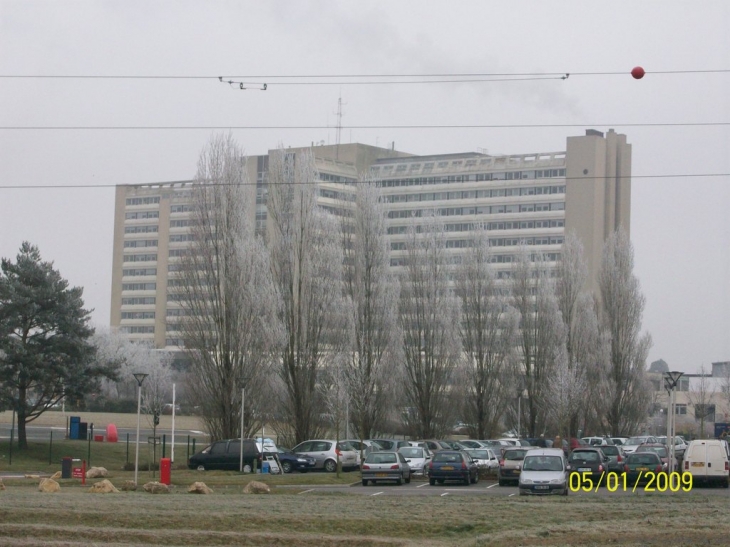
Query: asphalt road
[[490, 489]]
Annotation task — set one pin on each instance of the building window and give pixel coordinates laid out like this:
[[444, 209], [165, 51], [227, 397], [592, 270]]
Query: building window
[[143, 201], [138, 315], [140, 243], [139, 286], [680, 409], [139, 301], [139, 271], [137, 330], [140, 258]]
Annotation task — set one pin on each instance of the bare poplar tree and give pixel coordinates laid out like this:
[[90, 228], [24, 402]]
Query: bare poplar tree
[[541, 334], [429, 318], [622, 309], [373, 294], [567, 385], [306, 266], [700, 396], [488, 332], [228, 303]]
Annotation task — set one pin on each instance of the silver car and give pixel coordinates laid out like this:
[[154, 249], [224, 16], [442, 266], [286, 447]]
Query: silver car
[[417, 457], [544, 471], [325, 454], [385, 466]]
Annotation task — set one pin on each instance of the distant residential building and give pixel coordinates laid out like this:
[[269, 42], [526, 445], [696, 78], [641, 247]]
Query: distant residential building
[[531, 199]]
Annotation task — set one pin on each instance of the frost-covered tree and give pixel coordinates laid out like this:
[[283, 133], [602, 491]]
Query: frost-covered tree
[[429, 320], [541, 334], [701, 398], [566, 385], [488, 331], [228, 304], [372, 291], [306, 267], [622, 307]]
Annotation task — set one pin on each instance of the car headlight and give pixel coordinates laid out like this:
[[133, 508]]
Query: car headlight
[[557, 481], [302, 460], [526, 481]]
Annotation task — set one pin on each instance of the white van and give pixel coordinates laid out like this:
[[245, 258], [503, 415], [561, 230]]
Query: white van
[[707, 460]]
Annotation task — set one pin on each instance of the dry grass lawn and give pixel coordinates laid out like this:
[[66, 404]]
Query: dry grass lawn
[[228, 517]]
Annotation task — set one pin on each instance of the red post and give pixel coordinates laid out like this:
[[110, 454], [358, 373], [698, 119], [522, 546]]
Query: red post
[[83, 472], [165, 468]]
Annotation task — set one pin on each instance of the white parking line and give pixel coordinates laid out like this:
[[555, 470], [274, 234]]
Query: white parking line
[[510, 495], [305, 491], [422, 485], [376, 494], [444, 494], [493, 485]]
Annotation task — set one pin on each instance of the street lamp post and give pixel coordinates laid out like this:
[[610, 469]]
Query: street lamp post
[[244, 380], [671, 379], [139, 376]]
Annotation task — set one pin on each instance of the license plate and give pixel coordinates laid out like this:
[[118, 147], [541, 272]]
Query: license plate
[[642, 469], [381, 474], [448, 468], [698, 464], [584, 469], [542, 487]]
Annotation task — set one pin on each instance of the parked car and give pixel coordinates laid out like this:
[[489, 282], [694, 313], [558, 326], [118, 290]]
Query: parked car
[[638, 464], [661, 451], [510, 464], [616, 457], [294, 462], [226, 454], [325, 454], [619, 440], [385, 466], [434, 445], [418, 458], [590, 460], [452, 465], [597, 441], [679, 445], [469, 443], [484, 457], [632, 443], [707, 461], [544, 471], [391, 444]]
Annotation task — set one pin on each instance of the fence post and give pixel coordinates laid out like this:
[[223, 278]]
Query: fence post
[[89, 436], [127, 447], [50, 450], [164, 438]]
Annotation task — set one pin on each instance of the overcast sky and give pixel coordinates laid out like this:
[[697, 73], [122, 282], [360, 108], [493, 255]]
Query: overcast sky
[[680, 226]]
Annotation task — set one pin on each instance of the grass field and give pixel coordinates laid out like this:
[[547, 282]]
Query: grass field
[[228, 517]]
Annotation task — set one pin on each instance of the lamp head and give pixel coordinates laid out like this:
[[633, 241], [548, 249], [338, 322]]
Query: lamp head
[[140, 376]]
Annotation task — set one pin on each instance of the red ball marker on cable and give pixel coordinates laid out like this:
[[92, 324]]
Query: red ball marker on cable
[[637, 72]]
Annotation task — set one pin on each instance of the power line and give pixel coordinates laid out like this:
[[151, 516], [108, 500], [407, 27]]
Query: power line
[[309, 127], [102, 186], [218, 77]]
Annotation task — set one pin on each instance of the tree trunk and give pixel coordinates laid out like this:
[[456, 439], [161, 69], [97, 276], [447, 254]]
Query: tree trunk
[[22, 437]]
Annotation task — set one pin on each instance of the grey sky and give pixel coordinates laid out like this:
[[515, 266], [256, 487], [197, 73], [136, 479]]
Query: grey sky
[[680, 226]]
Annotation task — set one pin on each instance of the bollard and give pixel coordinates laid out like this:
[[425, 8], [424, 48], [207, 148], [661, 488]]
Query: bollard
[[164, 438]]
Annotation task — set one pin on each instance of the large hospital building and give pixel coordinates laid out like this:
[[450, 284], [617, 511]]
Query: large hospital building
[[526, 198]]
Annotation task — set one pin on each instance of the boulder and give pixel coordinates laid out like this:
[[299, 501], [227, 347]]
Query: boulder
[[129, 486], [156, 488], [48, 485], [103, 487], [199, 488], [256, 487], [56, 475], [96, 473]]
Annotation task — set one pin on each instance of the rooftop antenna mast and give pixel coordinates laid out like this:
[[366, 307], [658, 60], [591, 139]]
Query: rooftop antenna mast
[[339, 125]]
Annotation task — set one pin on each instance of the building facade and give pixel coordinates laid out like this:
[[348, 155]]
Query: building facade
[[531, 199]]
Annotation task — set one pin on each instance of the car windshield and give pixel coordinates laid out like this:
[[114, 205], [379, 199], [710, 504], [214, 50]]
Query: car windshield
[[642, 459], [660, 451], [515, 455], [480, 454], [381, 457], [585, 455], [449, 457], [543, 463], [635, 441], [411, 452], [610, 450]]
